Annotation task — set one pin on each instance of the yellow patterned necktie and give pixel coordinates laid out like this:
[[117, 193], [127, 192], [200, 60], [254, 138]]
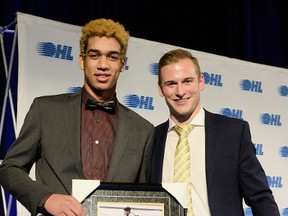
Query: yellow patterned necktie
[[182, 161]]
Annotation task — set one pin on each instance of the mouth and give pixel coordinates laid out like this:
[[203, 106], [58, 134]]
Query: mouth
[[102, 77], [181, 100]]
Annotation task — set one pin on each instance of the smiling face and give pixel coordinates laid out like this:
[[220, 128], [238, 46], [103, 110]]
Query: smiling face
[[181, 86], [102, 65]]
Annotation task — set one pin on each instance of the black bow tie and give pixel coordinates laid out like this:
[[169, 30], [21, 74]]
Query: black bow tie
[[108, 106]]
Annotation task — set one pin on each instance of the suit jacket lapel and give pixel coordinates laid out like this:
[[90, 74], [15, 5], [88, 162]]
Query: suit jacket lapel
[[211, 136], [121, 139], [73, 122]]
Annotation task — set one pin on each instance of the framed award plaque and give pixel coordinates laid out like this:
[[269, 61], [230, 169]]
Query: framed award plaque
[[111, 199]]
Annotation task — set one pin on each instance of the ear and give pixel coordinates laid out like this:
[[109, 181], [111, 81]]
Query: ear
[[201, 82], [81, 62], [123, 65], [160, 91]]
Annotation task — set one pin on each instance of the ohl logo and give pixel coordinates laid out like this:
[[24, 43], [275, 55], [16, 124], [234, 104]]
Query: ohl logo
[[284, 151], [73, 89], [250, 85], [285, 212], [54, 50], [275, 181], [141, 102], [213, 79], [271, 119], [153, 68], [126, 65], [232, 113], [283, 91], [259, 149]]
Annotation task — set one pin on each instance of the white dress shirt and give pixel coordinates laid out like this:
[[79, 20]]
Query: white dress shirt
[[197, 159]]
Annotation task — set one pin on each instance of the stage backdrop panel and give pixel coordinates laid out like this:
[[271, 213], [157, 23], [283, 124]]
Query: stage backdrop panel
[[48, 64]]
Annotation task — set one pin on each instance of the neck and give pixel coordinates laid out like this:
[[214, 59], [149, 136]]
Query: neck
[[102, 95], [185, 119]]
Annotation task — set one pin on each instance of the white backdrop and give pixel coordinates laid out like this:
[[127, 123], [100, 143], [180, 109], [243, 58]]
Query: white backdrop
[[48, 64]]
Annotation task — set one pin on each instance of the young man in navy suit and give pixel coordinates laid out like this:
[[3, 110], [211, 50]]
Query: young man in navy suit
[[224, 167]]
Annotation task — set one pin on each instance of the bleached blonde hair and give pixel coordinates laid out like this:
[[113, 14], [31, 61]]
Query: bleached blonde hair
[[104, 27]]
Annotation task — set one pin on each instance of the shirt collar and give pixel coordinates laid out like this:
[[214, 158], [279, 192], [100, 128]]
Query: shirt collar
[[199, 119], [85, 95]]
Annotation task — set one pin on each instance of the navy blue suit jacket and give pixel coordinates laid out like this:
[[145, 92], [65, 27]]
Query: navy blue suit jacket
[[233, 171]]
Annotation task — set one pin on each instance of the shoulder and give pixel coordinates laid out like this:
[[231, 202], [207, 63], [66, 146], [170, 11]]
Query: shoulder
[[55, 102], [223, 121], [133, 115], [58, 98]]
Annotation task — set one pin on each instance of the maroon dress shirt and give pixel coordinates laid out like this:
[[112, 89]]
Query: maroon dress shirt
[[98, 129]]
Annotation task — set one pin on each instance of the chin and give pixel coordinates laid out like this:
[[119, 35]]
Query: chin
[[181, 113]]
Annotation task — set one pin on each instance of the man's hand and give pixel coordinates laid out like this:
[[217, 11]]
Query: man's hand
[[63, 205]]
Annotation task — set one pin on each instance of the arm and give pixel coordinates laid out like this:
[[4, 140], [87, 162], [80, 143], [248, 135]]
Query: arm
[[253, 180], [19, 160], [28, 149]]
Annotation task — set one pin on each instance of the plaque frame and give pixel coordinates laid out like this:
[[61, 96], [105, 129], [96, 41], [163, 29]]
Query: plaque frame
[[151, 199]]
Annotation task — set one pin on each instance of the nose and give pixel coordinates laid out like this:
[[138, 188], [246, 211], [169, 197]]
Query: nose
[[103, 63], [180, 90]]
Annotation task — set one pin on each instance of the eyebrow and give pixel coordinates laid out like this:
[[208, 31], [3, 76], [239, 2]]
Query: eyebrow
[[183, 80], [98, 51]]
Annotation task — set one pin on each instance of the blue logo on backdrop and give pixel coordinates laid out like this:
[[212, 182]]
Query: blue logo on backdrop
[[213, 79], [153, 68], [251, 85], [141, 102], [275, 181], [54, 50], [285, 212], [126, 65], [73, 89], [259, 149], [271, 119], [284, 151], [248, 212], [283, 91], [232, 113]]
